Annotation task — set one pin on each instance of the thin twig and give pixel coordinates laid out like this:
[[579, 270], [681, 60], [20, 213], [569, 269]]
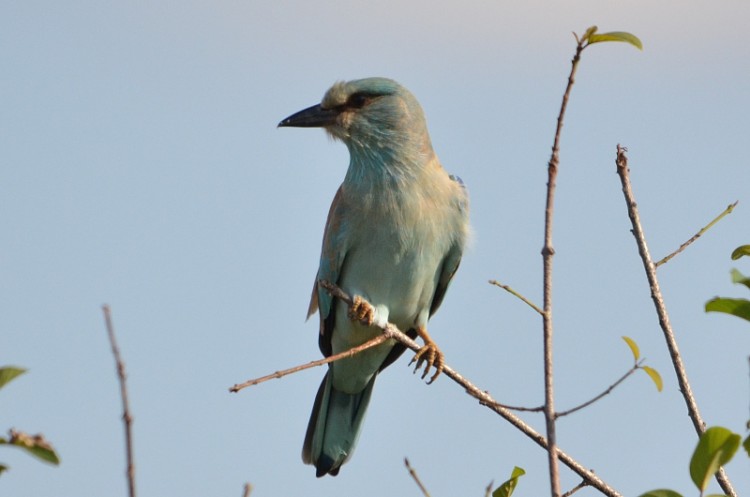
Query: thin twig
[[516, 294], [246, 490], [413, 474], [575, 489], [127, 418], [280, 374], [548, 253], [718, 218], [661, 310], [488, 489], [606, 392], [517, 408], [390, 331], [485, 399]]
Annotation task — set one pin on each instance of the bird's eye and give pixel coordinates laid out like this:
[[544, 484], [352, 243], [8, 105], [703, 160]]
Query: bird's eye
[[358, 100]]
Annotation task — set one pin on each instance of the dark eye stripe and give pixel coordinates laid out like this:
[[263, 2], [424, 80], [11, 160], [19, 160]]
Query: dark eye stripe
[[359, 100]]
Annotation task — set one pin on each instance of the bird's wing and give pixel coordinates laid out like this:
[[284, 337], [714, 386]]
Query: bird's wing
[[452, 259], [332, 258], [447, 269]]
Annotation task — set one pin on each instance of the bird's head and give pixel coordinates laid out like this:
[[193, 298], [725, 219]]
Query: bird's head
[[372, 116]]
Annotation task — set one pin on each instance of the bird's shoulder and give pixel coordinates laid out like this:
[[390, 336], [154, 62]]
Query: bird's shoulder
[[450, 189]]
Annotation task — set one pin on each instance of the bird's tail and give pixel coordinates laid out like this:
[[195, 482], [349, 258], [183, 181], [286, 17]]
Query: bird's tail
[[334, 426]]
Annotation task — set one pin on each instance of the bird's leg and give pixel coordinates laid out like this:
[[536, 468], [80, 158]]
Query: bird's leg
[[362, 311], [430, 353]]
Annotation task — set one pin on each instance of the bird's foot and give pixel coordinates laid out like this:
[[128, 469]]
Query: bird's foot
[[430, 355], [362, 311]]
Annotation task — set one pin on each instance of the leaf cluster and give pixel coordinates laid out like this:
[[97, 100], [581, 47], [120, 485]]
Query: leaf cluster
[[715, 448], [735, 307], [651, 372], [592, 36], [35, 445]]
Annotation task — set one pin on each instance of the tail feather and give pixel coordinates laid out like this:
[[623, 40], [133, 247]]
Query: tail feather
[[334, 426]]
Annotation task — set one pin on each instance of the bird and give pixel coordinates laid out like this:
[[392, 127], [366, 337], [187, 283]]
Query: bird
[[394, 238]]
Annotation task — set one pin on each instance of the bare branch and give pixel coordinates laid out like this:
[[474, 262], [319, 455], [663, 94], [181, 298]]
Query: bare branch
[[661, 310], [700, 233], [575, 489], [413, 474], [486, 400], [606, 392], [280, 374], [548, 253], [389, 331], [127, 418], [516, 294], [516, 408]]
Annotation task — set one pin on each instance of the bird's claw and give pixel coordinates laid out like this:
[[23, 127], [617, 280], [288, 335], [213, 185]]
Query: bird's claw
[[429, 355], [362, 311]]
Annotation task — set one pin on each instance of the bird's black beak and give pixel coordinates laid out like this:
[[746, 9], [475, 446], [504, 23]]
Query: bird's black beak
[[312, 117]]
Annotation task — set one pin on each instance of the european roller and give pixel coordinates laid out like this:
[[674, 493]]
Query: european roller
[[394, 237]]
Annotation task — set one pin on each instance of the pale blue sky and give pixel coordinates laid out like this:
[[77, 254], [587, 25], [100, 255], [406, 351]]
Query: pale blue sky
[[140, 165]]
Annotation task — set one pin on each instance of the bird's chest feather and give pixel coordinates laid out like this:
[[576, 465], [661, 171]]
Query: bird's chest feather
[[399, 240]]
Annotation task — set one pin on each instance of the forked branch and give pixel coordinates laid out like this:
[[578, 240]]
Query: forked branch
[[661, 310], [389, 331]]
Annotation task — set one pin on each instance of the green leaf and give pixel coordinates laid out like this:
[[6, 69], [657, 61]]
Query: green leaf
[[506, 489], [746, 445], [8, 373], [715, 448], [616, 36], [46, 454], [655, 377], [740, 251], [740, 278], [3, 468], [35, 445], [662, 492], [633, 347], [589, 32], [735, 307]]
